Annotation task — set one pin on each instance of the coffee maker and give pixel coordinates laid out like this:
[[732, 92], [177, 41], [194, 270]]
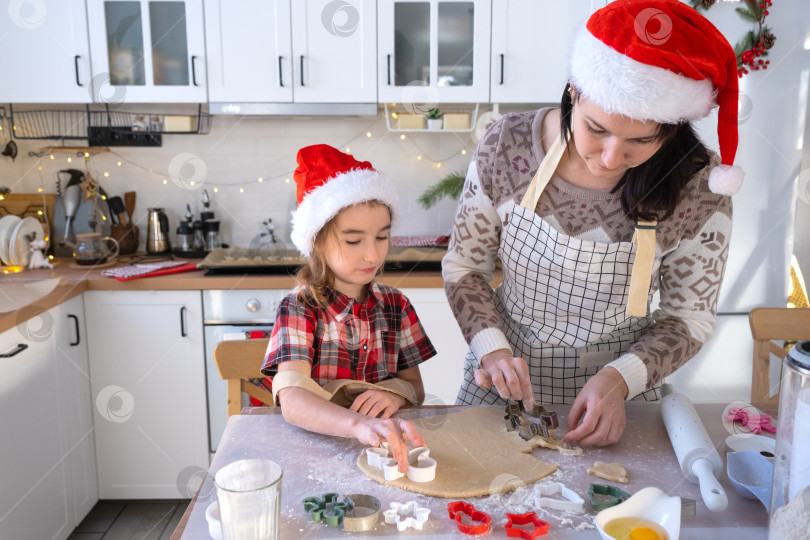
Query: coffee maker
[[157, 232]]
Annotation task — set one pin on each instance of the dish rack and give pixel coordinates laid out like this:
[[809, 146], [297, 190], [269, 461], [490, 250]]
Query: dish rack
[[93, 123]]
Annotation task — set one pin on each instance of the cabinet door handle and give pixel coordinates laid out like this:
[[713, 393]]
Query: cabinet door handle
[[76, 324], [280, 74], [20, 348], [501, 68], [388, 68], [76, 68], [194, 70], [183, 332], [302, 69]]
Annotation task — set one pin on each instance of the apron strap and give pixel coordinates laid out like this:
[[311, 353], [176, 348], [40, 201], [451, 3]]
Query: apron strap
[[543, 175], [641, 274]]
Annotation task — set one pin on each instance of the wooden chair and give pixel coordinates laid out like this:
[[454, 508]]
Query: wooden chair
[[239, 360], [788, 324]]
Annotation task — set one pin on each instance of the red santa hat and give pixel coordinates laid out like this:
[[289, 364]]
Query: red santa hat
[[661, 60], [328, 181]]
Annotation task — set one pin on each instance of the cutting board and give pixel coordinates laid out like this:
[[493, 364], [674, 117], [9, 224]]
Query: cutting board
[[30, 205]]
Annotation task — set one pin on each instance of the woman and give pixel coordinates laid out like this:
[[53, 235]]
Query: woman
[[591, 209]]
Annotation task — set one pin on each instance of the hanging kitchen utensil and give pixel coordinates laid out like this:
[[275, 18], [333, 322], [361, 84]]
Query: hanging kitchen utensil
[[71, 195], [117, 209], [129, 204]]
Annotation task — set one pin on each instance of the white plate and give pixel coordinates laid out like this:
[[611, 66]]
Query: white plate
[[742, 442], [7, 224], [19, 250]]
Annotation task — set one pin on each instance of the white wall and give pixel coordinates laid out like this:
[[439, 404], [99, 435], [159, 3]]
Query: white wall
[[238, 151]]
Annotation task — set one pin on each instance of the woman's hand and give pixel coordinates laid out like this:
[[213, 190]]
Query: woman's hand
[[377, 403], [601, 401], [373, 431], [509, 374]]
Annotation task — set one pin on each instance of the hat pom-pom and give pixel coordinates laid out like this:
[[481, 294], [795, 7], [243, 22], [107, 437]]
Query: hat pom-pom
[[726, 179]]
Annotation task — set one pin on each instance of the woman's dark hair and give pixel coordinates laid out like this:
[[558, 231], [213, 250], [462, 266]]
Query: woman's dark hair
[[651, 190]]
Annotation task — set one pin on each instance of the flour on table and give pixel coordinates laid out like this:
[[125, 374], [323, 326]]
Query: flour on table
[[793, 519], [609, 471]]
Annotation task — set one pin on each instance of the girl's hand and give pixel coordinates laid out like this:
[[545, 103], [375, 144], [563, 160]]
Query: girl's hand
[[600, 406], [373, 431], [377, 403]]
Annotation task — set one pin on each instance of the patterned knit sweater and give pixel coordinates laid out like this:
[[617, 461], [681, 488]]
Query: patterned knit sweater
[[690, 255]]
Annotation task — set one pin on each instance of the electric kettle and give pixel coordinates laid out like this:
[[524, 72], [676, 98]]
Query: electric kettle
[[157, 232]]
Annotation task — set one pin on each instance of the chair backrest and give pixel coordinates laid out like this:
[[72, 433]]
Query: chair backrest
[[767, 325], [239, 360]]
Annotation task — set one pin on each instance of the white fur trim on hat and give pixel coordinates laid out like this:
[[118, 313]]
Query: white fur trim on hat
[[619, 84], [324, 202], [726, 179]]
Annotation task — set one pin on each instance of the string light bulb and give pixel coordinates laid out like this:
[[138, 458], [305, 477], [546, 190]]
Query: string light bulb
[[463, 151], [402, 137], [216, 189], [241, 190], [261, 179], [119, 163], [106, 174], [70, 160], [286, 180], [165, 181], [368, 134]]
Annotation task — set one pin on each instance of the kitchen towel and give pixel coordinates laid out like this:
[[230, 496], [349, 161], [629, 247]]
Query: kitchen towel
[[136, 271]]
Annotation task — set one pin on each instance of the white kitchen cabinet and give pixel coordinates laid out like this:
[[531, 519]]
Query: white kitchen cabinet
[[147, 51], [33, 498], [148, 387], [284, 51], [46, 56], [531, 41], [74, 407], [443, 373], [433, 51]]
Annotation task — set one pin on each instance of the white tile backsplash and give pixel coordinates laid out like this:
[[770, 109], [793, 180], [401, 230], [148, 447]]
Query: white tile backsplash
[[238, 151]]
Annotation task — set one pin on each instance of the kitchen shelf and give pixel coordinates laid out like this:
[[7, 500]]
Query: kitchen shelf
[[63, 124], [395, 110]]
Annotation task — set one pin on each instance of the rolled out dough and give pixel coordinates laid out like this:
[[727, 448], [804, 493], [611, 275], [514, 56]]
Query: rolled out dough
[[475, 456]]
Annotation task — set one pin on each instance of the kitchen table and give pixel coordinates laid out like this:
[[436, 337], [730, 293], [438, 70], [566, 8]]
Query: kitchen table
[[316, 464]]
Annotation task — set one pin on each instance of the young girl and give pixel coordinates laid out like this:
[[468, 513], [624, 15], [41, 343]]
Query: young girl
[[338, 330]]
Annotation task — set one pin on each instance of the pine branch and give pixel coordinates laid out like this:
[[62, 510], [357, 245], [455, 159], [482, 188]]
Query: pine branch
[[449, 186], [748, 13]]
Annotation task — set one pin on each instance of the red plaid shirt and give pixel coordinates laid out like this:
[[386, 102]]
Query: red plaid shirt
[[367, 341]]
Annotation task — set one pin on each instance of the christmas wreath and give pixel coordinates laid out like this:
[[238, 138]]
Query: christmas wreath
[[754, 46]]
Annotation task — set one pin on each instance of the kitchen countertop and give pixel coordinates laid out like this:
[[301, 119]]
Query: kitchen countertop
[[645, 451], [78, 280]]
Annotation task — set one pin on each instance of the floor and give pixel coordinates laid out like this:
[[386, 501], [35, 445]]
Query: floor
[[131, 520]]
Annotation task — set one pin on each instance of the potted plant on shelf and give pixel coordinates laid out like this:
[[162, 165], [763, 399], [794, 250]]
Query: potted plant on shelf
[[434, 118]]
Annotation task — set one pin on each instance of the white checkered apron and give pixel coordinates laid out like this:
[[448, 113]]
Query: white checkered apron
[[561, 305]]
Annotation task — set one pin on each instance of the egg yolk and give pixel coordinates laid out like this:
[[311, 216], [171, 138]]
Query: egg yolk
[[644, 533]]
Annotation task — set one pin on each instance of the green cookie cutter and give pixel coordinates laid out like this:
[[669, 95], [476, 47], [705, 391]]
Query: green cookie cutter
[[614, 496], [327, 508]]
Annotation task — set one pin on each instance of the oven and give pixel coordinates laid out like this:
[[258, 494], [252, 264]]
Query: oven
[[227, 315]]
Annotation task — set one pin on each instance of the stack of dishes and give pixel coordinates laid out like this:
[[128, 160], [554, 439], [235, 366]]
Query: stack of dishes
[[16, 235]]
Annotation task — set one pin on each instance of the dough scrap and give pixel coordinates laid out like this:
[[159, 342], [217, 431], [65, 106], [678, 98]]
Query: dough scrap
[[609, 471], [556, 444], [475, 456]]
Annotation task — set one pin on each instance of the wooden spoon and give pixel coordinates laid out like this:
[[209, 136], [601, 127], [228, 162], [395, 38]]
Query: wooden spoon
[[129, 204]]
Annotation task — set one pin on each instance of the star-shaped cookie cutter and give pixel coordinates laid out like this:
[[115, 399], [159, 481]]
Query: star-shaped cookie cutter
[[457, 509], [406, 515], [328, 508], [570, 502], [613, 496], [528, 424], [421, 467], [540, 526]]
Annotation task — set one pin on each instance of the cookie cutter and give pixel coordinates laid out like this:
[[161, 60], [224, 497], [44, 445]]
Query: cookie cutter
[[540, 526], [354, 523], [528, 424], [406, 515], [421, 467], [328, 508], [456, 510], [570, 502], [614, 496]]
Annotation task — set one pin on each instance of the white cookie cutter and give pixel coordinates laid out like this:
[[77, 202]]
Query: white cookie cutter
[[571, 502], [416, 515], [421, 467]]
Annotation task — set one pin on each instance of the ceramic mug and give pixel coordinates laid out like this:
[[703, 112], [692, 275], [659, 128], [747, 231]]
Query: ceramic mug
[[92, 249]]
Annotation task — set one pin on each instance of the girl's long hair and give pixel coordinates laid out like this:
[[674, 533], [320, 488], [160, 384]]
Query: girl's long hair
[[652, 189]]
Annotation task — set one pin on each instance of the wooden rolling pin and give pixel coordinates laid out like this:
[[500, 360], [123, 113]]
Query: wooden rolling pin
[[700, 462]]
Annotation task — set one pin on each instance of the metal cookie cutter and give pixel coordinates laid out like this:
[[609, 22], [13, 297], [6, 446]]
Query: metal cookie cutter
[[368, 507], [456, 510], [613, 496], [540, 526], [529, 424], [416, 515], [421, 467], [327, 508], [571, 502]]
